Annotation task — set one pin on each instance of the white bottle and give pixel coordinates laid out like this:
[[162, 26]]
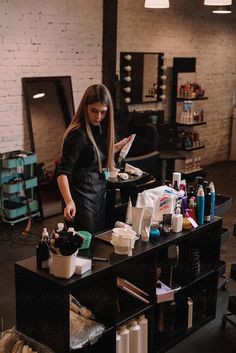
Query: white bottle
[[177, 221], [45, 235], [118, 343], [124, 335], [134, 338], [143, 323]]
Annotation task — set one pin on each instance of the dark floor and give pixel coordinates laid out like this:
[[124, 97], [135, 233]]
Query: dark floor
[[209, 339]]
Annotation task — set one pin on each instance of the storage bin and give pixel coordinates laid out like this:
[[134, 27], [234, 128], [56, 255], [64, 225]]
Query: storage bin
[[63, 266], [17, 187], [18, 158], [15, 208]]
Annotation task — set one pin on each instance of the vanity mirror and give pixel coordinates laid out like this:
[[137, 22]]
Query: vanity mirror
[[49, 107], [142, 77]]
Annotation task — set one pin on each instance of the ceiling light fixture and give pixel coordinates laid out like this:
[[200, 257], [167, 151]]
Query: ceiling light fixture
[[222, 9], [218, 2], [157, 4]]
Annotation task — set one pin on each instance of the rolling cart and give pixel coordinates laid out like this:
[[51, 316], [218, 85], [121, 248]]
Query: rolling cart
[[18, 184]]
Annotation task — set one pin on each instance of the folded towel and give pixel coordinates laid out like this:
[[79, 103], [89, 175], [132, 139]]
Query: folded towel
[[132, 170]]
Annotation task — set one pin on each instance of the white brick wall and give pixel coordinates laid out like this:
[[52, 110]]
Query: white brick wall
[[45, 38], [64, 37], [189, 29]]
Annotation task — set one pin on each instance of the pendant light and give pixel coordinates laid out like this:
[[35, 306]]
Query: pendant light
[[218, 2], [222, 9], [157, 4]]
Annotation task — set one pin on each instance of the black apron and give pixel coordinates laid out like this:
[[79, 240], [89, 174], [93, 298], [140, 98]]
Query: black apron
[[87, 185]]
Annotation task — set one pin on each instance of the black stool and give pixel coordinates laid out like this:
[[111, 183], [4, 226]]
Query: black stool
[[232, 311]]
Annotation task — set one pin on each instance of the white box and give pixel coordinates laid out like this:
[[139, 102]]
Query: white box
[[63, 266], [164, 294], [82, 265]]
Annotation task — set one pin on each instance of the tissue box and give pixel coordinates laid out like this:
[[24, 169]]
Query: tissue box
[[164, 294], [82, 265]]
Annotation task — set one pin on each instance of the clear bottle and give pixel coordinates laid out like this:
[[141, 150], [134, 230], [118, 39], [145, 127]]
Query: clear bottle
[[134, 335], [143, 323], [124, 335], [177, 221]]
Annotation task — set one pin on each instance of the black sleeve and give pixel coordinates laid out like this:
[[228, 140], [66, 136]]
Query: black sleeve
[[73, 147]]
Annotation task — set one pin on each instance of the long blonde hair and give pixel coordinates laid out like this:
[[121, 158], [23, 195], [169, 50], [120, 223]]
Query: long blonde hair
[[95, 93]]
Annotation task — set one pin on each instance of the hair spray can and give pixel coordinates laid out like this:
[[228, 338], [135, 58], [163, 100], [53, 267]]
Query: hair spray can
[[213, 199], [200, 205]]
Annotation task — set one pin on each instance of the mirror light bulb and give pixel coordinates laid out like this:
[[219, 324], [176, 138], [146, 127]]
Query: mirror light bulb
[[127, 89], [163, 87], [128, 78], [163, 77], [163, 97], [127, 100], [128, 57], [128, 68]]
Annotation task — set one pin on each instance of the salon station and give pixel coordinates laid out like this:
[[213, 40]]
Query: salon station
[[157, 270]]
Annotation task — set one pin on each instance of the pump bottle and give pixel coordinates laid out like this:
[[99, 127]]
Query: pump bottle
[[143, 323], [124, 335], [177, 221], [134, 332]]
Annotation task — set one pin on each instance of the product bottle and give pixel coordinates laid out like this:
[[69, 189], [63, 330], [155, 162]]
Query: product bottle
[[192, 211], [128, 218], [177, 221], [198, 181], [45, 253], [200, 205], [143, 323], [118, 343], [134, 337], [213, 199], [124, 335], [207, 212], [60, 228], [191, 192]]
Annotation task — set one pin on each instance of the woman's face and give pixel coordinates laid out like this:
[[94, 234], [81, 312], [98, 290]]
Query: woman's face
[[96, 113]]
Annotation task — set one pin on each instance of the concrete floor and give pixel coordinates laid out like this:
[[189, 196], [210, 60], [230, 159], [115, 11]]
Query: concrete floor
[[14, 247]]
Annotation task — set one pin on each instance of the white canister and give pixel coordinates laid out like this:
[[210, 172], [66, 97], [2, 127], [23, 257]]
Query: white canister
[[134, 338], [143, 323], [124, 335]]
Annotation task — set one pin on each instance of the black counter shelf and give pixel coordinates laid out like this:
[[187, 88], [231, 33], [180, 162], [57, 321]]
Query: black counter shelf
[[42, 300]]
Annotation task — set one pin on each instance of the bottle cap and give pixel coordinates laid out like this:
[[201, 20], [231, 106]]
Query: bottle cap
[[71, 229]]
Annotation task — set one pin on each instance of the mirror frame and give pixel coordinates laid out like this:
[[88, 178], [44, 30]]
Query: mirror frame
[[67, 114], [137, 77]]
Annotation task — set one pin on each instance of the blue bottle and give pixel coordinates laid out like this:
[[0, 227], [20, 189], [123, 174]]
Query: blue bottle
[[213, 199], [200, 205]]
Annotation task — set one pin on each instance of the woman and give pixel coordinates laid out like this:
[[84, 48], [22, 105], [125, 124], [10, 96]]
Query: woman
[[88, 148]]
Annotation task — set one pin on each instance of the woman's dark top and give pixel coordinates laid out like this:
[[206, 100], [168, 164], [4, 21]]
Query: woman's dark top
[[87, 185]]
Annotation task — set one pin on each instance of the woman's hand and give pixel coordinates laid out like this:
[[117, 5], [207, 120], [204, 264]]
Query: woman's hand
[[69, 211], [119, 145]]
